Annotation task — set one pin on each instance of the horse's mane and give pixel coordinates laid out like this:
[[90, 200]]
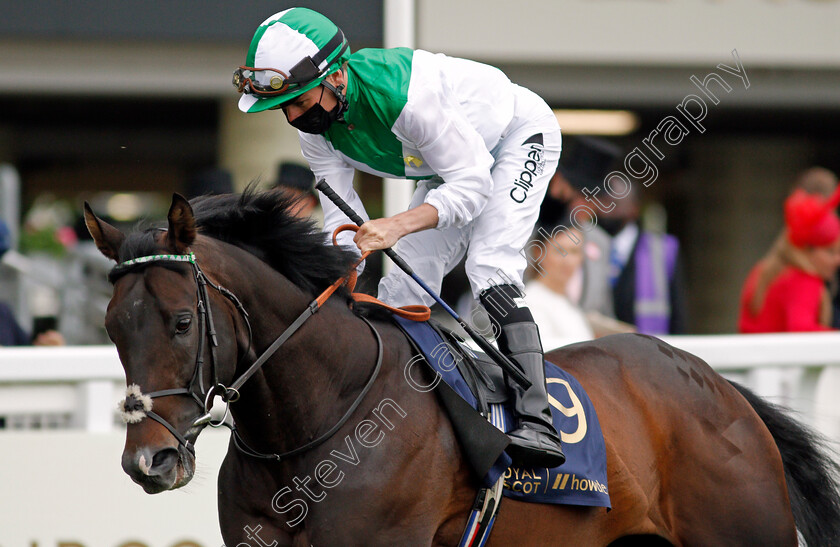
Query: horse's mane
[[262, 224]]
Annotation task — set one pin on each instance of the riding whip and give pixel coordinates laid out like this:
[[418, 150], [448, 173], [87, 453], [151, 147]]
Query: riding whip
[[507, 365]]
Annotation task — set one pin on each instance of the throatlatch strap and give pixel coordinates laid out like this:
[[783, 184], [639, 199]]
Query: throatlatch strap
[[412, 313]]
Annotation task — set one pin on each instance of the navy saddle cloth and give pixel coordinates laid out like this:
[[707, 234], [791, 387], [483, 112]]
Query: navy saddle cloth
[[582, 480]]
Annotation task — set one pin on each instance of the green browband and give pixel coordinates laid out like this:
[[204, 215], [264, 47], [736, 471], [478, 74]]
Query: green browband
[[155, 258]]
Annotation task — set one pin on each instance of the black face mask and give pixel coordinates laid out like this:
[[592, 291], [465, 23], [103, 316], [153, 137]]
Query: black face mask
[[316, 120], [612, 225]]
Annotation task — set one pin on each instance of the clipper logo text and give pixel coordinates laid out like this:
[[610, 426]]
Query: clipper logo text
[[533, 167]]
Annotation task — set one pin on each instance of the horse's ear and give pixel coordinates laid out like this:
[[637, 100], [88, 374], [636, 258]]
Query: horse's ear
[[107, 238], [181, 225]]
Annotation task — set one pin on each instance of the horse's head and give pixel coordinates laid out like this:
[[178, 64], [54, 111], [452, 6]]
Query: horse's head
[[160, 317]]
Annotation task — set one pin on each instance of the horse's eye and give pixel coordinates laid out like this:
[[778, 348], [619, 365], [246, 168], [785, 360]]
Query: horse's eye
[[183, 324]]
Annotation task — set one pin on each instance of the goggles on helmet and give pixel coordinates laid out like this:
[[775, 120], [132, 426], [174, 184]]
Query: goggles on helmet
[[271, 81], [247, 79]]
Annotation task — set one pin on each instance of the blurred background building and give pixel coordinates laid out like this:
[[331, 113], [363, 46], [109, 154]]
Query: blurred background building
[[120, 103]]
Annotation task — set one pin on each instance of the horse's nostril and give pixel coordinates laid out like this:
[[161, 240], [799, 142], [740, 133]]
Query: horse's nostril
[[163, 461]]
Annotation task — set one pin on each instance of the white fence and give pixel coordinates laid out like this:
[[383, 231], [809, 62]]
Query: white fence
[[60, 387], [61, 479], [64, 487], [797, 370], [78, 387]]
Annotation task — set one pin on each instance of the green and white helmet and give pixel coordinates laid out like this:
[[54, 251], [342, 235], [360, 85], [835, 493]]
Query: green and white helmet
[[291, 53]]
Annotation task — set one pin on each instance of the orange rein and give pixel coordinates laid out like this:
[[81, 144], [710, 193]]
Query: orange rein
[[413, 312]]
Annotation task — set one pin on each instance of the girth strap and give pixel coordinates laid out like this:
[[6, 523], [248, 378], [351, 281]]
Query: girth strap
[[483, 515]]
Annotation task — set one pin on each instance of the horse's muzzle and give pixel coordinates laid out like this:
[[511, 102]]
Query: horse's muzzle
[[159, 469]]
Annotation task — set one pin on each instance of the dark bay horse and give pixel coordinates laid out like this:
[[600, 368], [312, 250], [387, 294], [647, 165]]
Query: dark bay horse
[[692, 460]]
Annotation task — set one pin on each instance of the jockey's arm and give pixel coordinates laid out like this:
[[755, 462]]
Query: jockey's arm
[[384, 233], [457, 154], [454, 150]]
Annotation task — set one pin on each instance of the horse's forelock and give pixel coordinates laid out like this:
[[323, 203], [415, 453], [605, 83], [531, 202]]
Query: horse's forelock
[[136, 245], [139, 244]]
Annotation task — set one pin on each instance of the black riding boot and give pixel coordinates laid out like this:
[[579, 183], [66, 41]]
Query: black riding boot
[[535, 442]]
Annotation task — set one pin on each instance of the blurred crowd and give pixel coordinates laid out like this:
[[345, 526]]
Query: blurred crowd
[[793, 288], [44, 331], [617, 273], [596, 274], [595, 265]]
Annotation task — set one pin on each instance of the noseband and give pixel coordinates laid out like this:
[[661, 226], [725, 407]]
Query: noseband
[[134, 404]]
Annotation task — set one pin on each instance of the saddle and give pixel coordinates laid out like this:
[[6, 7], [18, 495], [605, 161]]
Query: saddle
[[485, 378], [474, 393], [465, 388]]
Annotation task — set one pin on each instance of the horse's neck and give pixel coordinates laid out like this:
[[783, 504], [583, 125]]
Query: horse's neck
[[306, 388], [314, 377], [320, 369]]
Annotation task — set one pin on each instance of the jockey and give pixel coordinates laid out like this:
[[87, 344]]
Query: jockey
[[482, 148]]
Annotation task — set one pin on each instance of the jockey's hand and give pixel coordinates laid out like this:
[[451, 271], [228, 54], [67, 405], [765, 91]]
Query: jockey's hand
[[384, 233], [381, 233]]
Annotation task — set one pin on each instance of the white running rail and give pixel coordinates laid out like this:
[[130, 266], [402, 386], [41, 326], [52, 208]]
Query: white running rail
[[78, 387]]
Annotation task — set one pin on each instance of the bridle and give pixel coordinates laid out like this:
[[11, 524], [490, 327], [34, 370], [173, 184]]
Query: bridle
[[230, 394], [207, 330]]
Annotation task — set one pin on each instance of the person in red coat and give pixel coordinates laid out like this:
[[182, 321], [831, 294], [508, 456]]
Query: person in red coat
[[786, 291]]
